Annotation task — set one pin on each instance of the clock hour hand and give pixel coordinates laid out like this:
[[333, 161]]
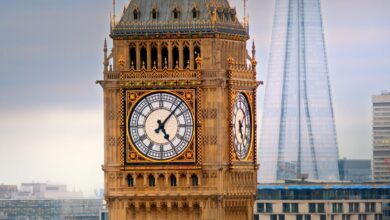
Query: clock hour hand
[[162, 129], [161, 125]]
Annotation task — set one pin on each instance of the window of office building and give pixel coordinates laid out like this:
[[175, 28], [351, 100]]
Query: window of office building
[[337, 207], [286, 207], [307, 217], [353, 207], [273, 217], [346, 217], [312, 207], [321, 208], [322, 217], [362, 217], [268, 207], [294, 207], [378, 217], [370, 206], [260, 207]]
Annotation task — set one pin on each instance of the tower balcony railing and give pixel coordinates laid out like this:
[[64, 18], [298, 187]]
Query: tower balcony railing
[[189, 74]]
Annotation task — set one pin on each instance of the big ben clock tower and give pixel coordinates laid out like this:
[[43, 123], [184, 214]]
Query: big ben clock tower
[[179, 113]]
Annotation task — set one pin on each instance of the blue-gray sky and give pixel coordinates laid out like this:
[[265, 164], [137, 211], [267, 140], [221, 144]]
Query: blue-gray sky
[[51, 123]]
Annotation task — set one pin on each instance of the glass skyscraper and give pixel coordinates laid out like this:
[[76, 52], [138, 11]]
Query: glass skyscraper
[[298, 135]]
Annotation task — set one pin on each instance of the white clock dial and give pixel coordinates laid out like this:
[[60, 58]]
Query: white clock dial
[[161, 126], [242, 126]]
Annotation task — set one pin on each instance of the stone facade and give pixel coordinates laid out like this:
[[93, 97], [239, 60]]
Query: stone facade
[[208, 71]]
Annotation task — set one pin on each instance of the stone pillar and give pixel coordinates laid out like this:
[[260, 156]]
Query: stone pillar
[[149, 56], [159, 56], [138, 65], [181, 55], [170, 55], [192, 56]]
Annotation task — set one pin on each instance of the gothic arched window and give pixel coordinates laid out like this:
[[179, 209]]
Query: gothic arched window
[[173, 180], [195, 181], [175, 13], [186, 54], [130, 181], [133, 57], [152, 181], [154, 13], [154, 56], [136, 14], [175, 56], [195, 13]]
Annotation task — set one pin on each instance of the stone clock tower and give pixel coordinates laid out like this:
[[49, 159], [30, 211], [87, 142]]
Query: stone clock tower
[[179, 113]]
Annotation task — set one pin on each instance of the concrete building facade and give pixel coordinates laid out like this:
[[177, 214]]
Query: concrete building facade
[[322, 201], [381, 136]]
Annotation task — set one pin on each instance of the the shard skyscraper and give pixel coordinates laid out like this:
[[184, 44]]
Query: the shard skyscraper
[[298, 133]]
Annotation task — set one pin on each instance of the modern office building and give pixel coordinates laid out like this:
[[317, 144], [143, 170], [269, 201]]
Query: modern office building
[[298, 135], [381, 136], [37, 209], [8, 191], [355, 170], [46, 191], [322, 201]]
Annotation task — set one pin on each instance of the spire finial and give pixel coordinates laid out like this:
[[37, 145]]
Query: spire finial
[[105, 62], [253, 50], [113, 10]]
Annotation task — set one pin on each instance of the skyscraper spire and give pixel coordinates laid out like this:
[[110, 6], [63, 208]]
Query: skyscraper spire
[[298, 130]]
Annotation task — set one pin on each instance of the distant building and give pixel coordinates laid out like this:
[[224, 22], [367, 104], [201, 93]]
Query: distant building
[[8, 191], [298, 135], [103, 214], [355, 170], [322, 201], [46, 191], [75, 209], [381, 136]]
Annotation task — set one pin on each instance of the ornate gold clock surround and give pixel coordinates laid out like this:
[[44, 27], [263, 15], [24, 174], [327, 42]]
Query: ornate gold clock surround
[[189, 156], [251, 98]]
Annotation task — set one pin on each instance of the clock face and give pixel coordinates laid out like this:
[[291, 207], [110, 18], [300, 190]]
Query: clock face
[[242, 126], [161, 126]]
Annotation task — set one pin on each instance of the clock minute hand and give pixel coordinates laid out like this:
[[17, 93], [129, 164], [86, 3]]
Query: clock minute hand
[[170, 115], [161, 125]]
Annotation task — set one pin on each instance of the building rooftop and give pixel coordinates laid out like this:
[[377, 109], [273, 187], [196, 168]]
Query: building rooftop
[[318, 185], [156, 17]]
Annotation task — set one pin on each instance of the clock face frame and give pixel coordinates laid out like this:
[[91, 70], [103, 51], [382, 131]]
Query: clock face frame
[[160, 126], [242, 126]]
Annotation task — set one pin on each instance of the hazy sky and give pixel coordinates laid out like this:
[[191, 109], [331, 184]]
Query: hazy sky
[[51, 118]]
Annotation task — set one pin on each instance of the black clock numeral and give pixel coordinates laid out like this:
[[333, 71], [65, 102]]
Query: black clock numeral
[[143, 137]]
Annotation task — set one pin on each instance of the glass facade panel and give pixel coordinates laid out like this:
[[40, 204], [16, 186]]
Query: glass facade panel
[[298, 134]]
